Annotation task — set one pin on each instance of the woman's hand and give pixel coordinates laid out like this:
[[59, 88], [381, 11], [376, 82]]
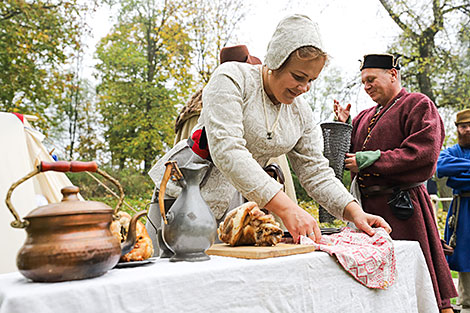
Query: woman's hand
[[364, 221], [342, 114], [300, 223], [297, 221]]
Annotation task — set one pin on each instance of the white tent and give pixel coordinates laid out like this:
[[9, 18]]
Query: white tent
[[21, 151]]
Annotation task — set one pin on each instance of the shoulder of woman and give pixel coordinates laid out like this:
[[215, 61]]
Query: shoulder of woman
[[302, 105], [236, 71], [305, 112]]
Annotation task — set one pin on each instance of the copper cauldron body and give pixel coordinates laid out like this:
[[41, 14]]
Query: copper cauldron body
[[70, 240]]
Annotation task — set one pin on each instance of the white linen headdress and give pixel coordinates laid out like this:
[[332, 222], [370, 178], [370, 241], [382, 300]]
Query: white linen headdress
[[291, 33]]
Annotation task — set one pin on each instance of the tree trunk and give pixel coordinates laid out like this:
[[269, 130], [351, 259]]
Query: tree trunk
[[426, 43]]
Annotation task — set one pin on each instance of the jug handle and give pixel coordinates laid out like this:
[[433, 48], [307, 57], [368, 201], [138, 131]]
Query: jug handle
[[59, 166], [171, 170]]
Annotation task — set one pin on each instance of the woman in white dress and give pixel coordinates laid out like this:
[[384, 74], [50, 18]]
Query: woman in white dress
[[252, 113]]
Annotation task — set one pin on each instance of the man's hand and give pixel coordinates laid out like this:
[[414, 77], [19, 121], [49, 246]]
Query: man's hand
[[342, 114], [351, 163]]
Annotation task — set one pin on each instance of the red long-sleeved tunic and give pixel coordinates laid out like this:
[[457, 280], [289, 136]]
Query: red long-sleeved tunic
[[409, 135]]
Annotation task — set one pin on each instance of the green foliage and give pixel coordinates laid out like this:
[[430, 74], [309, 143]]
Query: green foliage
[[34, 38], [130, 205], [441, 220], [78, 130], [435, 46], [312, 208], [329, 86], [455, 89], [136, 185], [89, 144], [299, 190], [212, 25], [302, 195], [347, 179], [144, 71]]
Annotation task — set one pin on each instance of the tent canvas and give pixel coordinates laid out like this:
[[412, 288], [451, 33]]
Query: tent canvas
[[21, 151]]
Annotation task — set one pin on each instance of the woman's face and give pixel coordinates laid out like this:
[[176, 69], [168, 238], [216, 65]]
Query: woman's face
[[293, 79]]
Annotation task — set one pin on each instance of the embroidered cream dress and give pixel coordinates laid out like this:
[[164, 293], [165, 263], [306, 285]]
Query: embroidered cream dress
[[235, 122]]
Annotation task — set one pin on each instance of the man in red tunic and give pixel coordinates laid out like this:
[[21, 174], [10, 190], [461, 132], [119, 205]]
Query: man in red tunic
[[395, 146]]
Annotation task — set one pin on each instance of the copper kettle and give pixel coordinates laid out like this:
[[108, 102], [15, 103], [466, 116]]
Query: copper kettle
[[72, 239]]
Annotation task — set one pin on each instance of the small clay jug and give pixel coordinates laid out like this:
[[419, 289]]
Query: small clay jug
[[189, 227]]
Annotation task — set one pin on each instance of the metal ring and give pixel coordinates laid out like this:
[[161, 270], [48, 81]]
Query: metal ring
[[311, 234]]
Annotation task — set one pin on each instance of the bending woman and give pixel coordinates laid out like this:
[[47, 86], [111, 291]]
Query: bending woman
[[252, 113]]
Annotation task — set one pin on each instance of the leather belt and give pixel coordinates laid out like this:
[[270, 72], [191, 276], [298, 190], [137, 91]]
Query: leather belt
[[376, 190]]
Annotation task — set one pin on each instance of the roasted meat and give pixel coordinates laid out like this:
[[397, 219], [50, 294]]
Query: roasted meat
[[143, 248], [248, 225]]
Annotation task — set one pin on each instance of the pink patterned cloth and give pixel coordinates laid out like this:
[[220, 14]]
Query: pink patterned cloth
[[370, 260]]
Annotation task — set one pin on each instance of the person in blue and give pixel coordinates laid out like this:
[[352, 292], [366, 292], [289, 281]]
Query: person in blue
[[454, 163]]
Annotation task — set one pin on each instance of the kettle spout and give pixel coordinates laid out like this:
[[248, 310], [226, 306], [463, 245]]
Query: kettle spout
[[128, 245]]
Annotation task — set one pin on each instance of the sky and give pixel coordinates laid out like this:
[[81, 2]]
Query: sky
[[350, 29]]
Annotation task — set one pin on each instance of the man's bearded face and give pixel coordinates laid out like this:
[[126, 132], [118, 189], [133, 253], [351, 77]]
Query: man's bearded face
[[463, 131]]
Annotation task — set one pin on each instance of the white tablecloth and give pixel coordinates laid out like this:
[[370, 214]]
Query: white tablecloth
[[312, 282]]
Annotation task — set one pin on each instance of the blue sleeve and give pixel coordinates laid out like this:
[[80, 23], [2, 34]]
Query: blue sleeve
[[461, 183], [455, 168]]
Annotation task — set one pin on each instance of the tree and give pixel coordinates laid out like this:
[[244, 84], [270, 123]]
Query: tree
[[329, 86], [89, 144], [80, 122], [457, 78], [34, 39], [213, 24], [430, 45], [144, 72]]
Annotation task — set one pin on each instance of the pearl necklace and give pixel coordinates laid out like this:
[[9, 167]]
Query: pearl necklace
[[269, 130]]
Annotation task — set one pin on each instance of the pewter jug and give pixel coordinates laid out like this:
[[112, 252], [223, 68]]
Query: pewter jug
[[189, 227]]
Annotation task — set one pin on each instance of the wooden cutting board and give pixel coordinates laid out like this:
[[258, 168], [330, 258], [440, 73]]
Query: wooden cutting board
[[252, 252]]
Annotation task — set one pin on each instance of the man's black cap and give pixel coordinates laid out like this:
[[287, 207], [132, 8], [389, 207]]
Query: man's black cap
[[385, 61]]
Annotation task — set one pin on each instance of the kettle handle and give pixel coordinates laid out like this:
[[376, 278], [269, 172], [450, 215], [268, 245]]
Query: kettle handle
[[59, 166], [171, 170]]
